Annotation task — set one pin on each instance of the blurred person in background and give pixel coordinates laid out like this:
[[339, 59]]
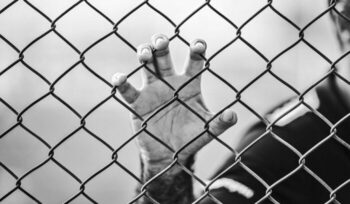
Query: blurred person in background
[[272, 157]]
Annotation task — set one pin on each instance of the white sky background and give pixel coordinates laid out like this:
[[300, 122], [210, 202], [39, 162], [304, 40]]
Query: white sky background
[[50, 56]]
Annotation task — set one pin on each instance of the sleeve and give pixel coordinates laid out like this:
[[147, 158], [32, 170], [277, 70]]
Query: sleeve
[[238, 184], [237, 188]]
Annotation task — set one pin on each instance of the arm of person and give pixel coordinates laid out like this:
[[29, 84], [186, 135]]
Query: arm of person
[[173, 124], [174, 186], [236, 184], [269, 159]]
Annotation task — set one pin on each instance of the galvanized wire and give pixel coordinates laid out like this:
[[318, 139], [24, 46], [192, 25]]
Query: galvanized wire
[[207, 68]]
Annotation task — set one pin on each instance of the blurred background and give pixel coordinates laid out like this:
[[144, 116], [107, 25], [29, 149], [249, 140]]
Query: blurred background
[[84, 155]]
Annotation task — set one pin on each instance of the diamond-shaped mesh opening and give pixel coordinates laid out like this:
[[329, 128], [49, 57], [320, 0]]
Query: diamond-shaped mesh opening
[[112, 55], [146, 18], [51, 125], [47, 181], [83, 162], [204, 22], [282, 35], [31, 23], [29, 86], [32, 151], [51, 56], [73, 25], [77, 86]]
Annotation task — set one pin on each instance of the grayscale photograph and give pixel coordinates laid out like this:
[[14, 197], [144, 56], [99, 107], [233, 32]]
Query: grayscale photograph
[[175, 101]]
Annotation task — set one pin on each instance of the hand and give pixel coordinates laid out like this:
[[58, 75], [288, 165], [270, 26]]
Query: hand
[[175, 125]]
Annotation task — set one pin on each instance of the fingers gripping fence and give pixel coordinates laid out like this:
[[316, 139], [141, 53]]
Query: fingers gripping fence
[[207, 68]]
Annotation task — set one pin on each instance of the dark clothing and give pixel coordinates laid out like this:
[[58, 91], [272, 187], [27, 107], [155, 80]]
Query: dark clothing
[[271, 159]]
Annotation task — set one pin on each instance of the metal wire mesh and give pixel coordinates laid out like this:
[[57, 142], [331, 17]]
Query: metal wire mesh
[[207, 69]]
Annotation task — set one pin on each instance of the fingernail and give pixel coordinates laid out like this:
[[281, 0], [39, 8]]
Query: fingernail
[[119, 79], [199, 46], [228, 116], [159, 41], [145, 51]]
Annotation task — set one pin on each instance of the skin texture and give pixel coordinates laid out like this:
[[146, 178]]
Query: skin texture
[[175, 125]]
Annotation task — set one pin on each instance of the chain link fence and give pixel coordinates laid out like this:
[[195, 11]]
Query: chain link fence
[[50, 85]]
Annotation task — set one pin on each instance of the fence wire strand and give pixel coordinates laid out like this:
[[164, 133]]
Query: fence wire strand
[[207, 69]]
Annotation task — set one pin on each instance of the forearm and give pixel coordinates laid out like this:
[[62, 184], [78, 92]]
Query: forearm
[[172, 187]]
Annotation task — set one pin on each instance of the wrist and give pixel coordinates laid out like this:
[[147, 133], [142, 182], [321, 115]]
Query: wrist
[[157, 165], [172, 187]]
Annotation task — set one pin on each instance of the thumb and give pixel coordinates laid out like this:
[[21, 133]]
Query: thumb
[[222, 122]]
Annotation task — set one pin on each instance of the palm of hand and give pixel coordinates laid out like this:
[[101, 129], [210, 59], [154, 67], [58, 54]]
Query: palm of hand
[[175, 125]]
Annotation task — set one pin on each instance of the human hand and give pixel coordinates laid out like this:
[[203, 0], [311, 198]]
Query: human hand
[[175, 125]]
